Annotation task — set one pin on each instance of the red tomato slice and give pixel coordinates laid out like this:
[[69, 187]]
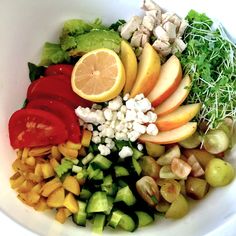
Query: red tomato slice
[[59, 69], [62, 110], [53, 87], [34, 127]]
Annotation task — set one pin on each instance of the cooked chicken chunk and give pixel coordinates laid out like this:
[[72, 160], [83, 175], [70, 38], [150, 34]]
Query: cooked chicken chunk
[[182, 28], [161, 34], [163, 48], [136, 39], [128, 29], [156, 14], [148, 22], [170, 29], [150, 5], [178, 45]]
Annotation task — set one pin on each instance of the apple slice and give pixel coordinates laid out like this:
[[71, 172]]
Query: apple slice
[[169, 79], [176, 99], [130, 64], [148, 71], [171, 136], [177, 118]]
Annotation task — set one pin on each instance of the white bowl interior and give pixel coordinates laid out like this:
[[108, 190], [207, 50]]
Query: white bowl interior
[[25, 26]]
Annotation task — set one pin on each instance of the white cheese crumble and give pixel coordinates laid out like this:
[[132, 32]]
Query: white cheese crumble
[[125, 152], [122, 119]]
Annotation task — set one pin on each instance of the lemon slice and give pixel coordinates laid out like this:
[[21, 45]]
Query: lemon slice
[[98, 75]]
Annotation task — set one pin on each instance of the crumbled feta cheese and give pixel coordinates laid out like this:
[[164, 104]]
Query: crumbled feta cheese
[[152, 129], [96, 139], [109, 132], [126, 97], [130, 104], [119, 127], [121, 136], [152, 116], [89, 127], [140, 147], [95, 133], [115, 104], [130, 115], [143, 105], [109, 143], [139, 97], [107, 114], [120, 115], [123, 109], [133, 135], [125, 152], [104, 150], [139, 128]]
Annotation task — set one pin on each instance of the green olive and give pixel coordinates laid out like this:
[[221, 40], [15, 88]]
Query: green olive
[[219, 173]]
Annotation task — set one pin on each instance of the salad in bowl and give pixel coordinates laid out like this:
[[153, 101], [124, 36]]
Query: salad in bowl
[[128, 122]]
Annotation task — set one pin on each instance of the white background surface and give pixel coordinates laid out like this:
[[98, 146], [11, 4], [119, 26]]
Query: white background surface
[[224, 10]]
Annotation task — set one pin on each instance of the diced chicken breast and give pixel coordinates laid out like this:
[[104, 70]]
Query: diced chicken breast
[[178, 45], [144, 30], [170, 29], [145, 39], [128, 29], [136, 39], [148, 22], [150, 5], [163, 48], [161, 34], [156, 14], [182, 28]]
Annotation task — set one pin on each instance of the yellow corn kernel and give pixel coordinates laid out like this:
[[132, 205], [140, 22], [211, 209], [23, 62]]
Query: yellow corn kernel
[[37, 188], [72, 145], [26, 186], [41, 205], [25, 154], [30, 161], [40, 151], [33, 177], [67, 152], [70, 203], [47, 170], [16, 180], [54, 163], [38, 170], [50, 187], [86, 138], [55, 153], [62, 214], [19, 153], [56, 198]]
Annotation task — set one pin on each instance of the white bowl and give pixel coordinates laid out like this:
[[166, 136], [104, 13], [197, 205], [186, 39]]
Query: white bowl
[[25, 25]]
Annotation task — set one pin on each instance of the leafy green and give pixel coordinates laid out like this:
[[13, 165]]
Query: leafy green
[[35, 71], [210, 59], [117, 24], [64, 167], [53, 54]]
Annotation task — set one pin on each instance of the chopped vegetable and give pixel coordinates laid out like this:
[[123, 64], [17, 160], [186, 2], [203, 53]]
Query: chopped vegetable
[[53, 54], [211, 62], [64, 167]]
